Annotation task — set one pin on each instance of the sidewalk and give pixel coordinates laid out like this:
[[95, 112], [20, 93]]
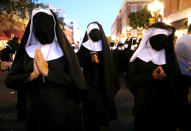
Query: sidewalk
[[8, 100]]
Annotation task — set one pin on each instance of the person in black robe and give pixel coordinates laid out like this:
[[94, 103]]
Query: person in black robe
[[153, 79], [47, 68], [100, 73], [9, 49], [112, 46], [119, 56]]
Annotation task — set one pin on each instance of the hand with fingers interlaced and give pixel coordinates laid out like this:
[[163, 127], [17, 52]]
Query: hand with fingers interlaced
[[159, 73], [41, 63]]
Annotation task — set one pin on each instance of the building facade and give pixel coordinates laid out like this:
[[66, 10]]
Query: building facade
[[178, 14], [120, 29], [12, 21]]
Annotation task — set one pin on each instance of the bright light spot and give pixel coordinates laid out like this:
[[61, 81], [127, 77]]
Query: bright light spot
[[113, 37], [156, 8], [166, 21], [189, 19], [180, 33], [128, 28]]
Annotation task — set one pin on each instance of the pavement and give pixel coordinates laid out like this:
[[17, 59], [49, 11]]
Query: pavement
[[8, 98]]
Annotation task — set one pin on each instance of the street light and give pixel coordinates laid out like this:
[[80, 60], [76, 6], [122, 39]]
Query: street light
[[156, 8]]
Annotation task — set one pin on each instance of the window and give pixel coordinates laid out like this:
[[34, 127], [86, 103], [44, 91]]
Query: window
[[134, 8], [1, 6]]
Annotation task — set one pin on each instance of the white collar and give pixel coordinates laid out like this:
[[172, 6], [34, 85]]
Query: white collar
[[93, 46], [89, 44], [146, 53], [50, 51]]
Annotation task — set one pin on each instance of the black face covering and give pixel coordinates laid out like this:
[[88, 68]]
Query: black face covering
[[43, 27], [159, 42], [95, 35]]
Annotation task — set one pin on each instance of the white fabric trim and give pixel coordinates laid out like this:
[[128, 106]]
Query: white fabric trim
[[32, 42], [134, 46], [126, 45], [91, 27], [89, 44], [144, 51], [93, 46]]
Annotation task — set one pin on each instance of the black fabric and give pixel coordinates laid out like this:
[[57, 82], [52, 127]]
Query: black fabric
[[53, 105], [12, 45], [120, 44], [143, 83], [155, 103], [95, 35], [170, 53], [43, 27], [111, 44], [97, 110], [159, 42], [49, 105], [4, 55], [100, 97], [9, 49], [63, 42], [186, 107], [110, 72]]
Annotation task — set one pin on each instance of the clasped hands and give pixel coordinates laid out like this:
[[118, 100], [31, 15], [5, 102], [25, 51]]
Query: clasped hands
[[94, 57], [159, 73], [40, 66]]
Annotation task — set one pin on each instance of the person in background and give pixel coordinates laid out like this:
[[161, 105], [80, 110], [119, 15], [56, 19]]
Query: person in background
[[47, 68], [183, 53], [7, 54], [99, 70]]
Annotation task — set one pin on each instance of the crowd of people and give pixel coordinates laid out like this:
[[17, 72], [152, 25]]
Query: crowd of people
[[62, 86]]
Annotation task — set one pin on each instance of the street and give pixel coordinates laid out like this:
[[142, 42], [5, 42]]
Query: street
[[8, 99]]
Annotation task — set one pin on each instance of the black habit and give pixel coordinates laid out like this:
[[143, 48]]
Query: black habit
[[53, 104], [99, 107], [156, 101]]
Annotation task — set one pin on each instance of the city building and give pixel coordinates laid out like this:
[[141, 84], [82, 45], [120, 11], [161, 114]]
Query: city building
[[120, 29], [13, 23], [178, 14]]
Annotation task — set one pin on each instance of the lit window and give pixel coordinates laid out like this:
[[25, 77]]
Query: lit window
[[134, 8]]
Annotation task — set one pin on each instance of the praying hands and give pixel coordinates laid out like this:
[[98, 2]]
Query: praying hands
[[159, 73], [40, 66]]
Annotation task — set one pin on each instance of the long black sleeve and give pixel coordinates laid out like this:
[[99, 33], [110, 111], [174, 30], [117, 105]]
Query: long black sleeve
[[17, 78]]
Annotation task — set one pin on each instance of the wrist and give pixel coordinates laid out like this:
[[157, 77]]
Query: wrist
[[33, 76]]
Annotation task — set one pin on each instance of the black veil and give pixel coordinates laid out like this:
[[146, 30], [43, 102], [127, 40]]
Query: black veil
[[71, 58], [110, 73]]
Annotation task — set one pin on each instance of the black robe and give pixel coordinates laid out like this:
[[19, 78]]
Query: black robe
[[154, 99], [97, 109], [50, 105]]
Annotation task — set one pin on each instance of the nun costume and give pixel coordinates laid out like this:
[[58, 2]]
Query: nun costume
[[153, 78], [100, 73], [51, 96]]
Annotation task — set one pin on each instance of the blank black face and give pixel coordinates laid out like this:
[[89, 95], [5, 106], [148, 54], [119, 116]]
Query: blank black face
[[95, 35], [159, 42], [43, 27]]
